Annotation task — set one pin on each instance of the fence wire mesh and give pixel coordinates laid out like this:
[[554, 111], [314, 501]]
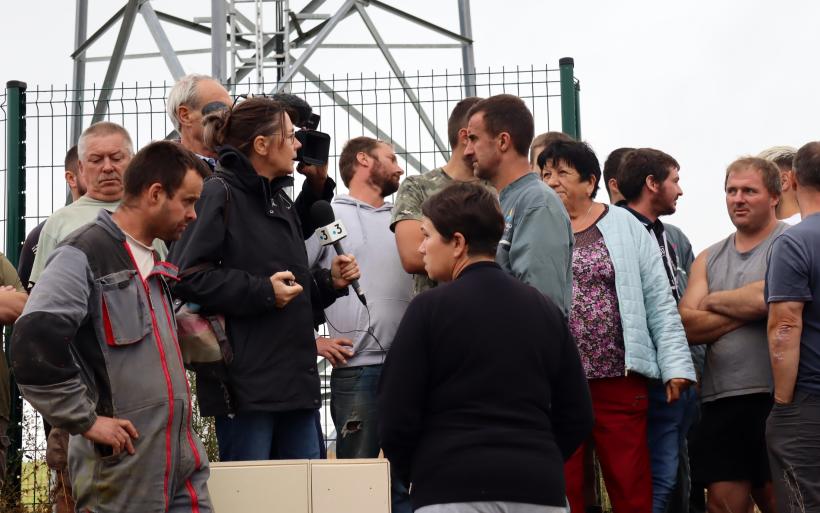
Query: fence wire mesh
[[349, 105]]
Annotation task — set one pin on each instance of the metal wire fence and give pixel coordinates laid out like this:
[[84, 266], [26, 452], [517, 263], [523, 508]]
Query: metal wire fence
[[349, 105]]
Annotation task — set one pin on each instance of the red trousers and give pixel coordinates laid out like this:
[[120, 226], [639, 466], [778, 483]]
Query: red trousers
[[619, 434]]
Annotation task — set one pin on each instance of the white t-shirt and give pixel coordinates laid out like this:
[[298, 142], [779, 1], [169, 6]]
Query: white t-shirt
[[793, 220], [144, 255]]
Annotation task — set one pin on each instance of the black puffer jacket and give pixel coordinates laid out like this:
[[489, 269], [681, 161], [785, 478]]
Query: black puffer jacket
[[274, 366]]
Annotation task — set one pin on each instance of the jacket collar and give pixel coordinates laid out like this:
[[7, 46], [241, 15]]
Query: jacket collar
[[105, 220], [234, 162], [655, 226]]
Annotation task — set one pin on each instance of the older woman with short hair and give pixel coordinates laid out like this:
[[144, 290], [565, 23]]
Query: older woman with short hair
[[625, 323], [482, 396]]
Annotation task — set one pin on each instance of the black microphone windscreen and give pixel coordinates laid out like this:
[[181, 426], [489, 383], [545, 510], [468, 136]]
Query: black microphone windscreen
[[322, 213]]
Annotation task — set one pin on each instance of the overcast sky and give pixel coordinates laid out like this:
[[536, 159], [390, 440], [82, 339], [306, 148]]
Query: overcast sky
[[704, 81]]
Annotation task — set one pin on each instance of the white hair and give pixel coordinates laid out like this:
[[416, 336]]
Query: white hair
[[103, 128], [183, 93], [783, 156]]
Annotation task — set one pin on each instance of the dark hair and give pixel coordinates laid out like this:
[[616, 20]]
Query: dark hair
[[471, 210], [769, 173], [577, 155], [807, 165], [459, 117], [544, 140], [639, 164], [613, 164], [72, 160], [347, 160], [239, 126], [162, 162], [507, 113]]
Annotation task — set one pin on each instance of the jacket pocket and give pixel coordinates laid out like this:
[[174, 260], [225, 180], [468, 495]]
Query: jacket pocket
[[124, 315]]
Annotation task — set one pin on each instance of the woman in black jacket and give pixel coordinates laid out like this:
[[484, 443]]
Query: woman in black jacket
[[482, 397], [245, 257]]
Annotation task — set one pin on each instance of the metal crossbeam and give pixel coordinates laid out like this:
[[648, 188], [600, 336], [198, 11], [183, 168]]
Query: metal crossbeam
[[414, 100], [327, 28], [161, 38], [78, 78], [421, 22], [128, 17], [343, 102], [467, 55]]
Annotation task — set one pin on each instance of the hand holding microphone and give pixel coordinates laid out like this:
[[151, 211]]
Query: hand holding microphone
[[344, 269]]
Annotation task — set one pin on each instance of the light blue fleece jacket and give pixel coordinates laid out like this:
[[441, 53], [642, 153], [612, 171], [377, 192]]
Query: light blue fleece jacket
[[654, 338], [385, 284]]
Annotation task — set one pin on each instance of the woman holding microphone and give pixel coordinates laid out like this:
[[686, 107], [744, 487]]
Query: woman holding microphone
[[244, 257]]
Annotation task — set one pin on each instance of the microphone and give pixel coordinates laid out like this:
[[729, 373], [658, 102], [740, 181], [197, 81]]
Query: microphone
[[331, 232]]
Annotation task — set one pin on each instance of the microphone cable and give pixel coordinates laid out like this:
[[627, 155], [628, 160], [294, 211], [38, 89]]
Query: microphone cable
[[368, 331]]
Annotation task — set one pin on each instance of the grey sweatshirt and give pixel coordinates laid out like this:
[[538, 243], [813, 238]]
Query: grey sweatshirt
[[385, 284]]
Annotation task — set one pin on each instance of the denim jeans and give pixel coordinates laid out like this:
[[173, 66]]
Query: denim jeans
[[353, 409], [250, 436], [667, 426]]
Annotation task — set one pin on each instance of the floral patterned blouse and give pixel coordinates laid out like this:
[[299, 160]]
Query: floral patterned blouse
[[595, 321]]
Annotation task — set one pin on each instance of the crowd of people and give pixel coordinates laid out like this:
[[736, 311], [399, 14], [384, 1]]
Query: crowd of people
[[515, 330]]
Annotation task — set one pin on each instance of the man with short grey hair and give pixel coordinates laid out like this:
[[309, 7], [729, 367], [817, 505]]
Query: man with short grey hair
[[787, 210], [186, 101], [104, 150]]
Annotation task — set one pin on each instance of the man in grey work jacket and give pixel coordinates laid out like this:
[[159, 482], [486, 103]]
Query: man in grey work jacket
[[537, 243], [95, 351]]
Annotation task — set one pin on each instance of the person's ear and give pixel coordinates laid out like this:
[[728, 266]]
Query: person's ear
[[362, 158], [504, 141], [459, 245], [70, 179], [462, 136], [591, 183], [652, 184], [156, 192], [184, 115], [260, 145]]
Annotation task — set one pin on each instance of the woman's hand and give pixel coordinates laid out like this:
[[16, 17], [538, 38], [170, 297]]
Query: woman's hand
[[343, 270], [674, 388], [285, 288]]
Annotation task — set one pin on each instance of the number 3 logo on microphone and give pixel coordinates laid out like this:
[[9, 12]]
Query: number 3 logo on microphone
[[331, 233]]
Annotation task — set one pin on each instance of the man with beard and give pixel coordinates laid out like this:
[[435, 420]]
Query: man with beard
[[648, 179], [724, 307], [537, 243], [95, 351], [361, 335]]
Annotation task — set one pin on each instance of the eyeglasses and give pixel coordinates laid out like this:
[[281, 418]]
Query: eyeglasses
[[289, 137]]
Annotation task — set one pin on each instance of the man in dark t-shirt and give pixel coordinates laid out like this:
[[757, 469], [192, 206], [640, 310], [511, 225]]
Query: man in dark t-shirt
[[792, 292]]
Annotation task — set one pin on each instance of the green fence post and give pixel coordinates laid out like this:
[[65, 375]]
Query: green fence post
[[15, 234], [570, 124]]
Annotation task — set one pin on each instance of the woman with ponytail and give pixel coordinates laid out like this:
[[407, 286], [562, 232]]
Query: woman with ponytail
[[244, 257]]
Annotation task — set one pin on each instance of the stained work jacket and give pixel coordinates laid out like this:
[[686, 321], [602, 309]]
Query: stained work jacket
[[99, 339]]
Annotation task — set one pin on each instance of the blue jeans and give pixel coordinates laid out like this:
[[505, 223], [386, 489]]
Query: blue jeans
[[285, 435], [354, 413], [667, 426]]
